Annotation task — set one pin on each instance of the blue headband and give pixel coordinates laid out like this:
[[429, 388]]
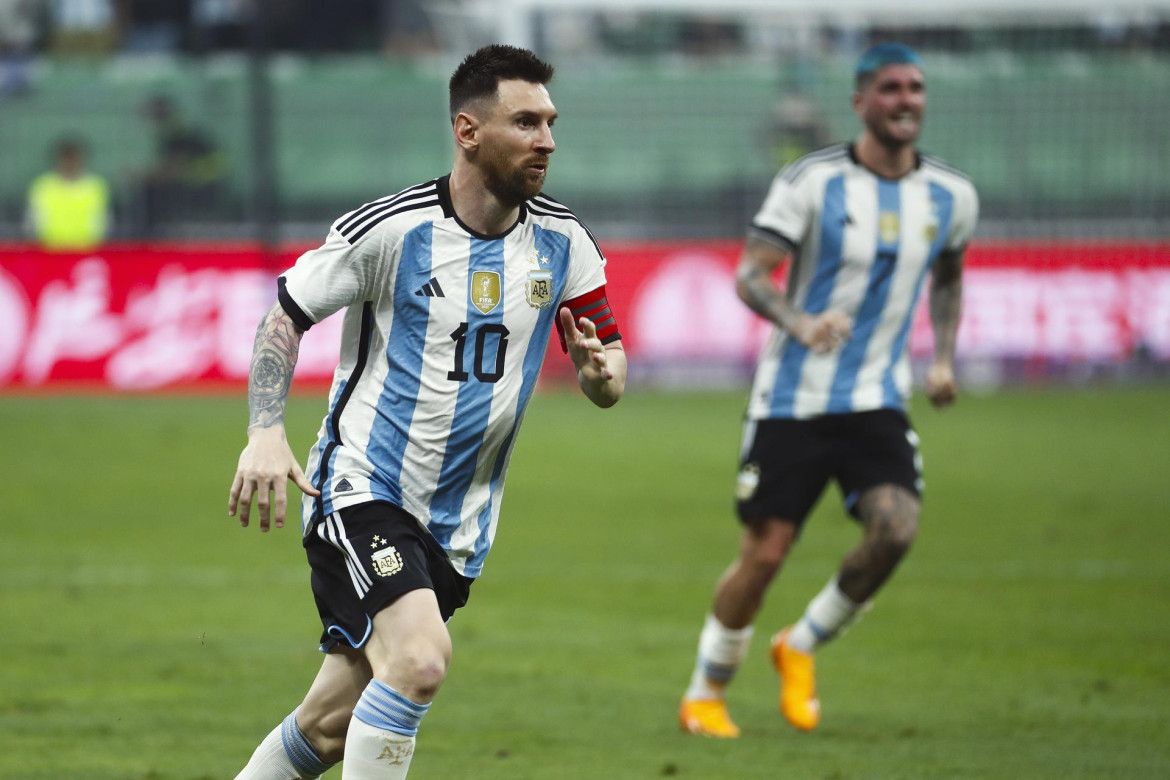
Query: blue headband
[[877, 57]]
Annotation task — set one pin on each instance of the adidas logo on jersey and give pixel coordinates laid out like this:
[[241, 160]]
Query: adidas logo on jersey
[[431, 289], [342, 486]]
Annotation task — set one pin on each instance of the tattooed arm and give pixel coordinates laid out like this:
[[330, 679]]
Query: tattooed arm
[[267, 461], [821, 333], [946, 291]]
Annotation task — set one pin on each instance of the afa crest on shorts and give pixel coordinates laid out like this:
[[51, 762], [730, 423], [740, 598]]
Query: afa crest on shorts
[[386, 562]]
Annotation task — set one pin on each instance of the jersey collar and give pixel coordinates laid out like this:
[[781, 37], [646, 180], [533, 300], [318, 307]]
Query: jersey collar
[[443, 184], [858, 163]]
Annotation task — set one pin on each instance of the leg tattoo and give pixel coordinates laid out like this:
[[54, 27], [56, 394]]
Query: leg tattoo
[[889, 515]]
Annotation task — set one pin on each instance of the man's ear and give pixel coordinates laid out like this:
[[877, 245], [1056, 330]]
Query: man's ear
[[466, 132]]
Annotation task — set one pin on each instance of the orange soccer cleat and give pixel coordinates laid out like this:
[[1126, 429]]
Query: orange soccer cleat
[[707, 717], [798, 686]]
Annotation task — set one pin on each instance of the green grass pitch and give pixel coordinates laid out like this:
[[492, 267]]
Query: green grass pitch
[[143, 634]]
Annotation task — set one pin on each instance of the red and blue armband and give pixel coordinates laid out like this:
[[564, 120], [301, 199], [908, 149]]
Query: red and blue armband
[[594, 306]]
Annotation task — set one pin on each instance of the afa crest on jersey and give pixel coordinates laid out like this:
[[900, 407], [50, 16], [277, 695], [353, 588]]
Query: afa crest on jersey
[[538, 288], [485, 290]]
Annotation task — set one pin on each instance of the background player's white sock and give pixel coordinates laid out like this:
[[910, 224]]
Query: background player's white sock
[[284, 754], [380, 740], [828, 615], [721, 650]]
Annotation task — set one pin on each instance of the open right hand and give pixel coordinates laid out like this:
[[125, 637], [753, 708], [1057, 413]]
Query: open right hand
[[824, 332], [266, 464]]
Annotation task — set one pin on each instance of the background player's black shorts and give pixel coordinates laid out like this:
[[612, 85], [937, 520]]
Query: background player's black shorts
[[789, 462], [363, 557]]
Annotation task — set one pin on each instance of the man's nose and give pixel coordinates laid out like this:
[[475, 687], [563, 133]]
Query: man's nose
[[544, 141]]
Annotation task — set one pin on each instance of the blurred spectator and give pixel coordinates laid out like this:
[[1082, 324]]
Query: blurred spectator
[[153, 26], [82, 26], [699, 36], [18, 33], [187, 177], [406, 29], [220, 25], [68, 207], [797, 127]]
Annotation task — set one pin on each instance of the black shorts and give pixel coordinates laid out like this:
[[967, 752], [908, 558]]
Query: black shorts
[[787, 463], [364, 557]]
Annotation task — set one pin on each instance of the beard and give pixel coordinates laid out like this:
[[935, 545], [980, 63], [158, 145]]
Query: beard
[[511, 185], [892, 139]]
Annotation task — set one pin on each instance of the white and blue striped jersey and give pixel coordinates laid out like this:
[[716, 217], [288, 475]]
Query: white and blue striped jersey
[[444, 334], [861, 245]]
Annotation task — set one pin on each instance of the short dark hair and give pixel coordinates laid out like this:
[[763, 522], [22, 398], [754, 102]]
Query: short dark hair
[[479, 75]]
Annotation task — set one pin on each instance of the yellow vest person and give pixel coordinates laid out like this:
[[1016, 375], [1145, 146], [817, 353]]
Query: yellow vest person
[[69, 209]]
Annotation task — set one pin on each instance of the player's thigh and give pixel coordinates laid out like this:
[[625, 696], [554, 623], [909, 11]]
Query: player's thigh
[[783, 471], [410, 646]]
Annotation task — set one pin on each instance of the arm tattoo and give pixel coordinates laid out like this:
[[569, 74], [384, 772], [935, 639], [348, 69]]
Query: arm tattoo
[[946, 291], [753, 282], [274, 355]]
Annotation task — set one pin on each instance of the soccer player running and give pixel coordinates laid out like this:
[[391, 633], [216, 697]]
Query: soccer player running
[[451, 289], [863, 223]]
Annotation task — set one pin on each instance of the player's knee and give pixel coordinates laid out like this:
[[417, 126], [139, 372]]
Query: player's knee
[[896, 535], [417, 672], [765, 548]]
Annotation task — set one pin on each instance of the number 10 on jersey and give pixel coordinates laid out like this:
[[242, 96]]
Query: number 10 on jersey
[[483, 343]]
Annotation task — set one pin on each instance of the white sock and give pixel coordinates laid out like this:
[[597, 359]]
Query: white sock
[[721, 650], [380, 741], [284, 754], [827, 616]]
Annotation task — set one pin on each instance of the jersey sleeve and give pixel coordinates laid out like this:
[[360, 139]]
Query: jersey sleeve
[[966, 215], [783, 218], [585, 291], [333, 276]]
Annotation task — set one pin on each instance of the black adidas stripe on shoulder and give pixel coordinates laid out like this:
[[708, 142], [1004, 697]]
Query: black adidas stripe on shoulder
[[543, 206], [359, 222], [380, 203], [384, 215], [829, 154], [550, 203], [938, 163]]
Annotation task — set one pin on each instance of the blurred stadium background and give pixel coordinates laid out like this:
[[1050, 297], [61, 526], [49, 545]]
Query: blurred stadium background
[[147, 638], [258, 123], [676, 115]]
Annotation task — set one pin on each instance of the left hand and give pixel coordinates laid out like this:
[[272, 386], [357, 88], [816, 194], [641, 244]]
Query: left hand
[[585, 349], [940, 385]]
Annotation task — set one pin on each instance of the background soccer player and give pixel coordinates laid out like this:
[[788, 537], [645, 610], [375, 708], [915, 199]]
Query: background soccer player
[[863, 223], [451, 289]]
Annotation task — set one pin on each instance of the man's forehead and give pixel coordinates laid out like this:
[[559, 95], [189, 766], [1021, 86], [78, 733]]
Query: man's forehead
[[520, 95], [901, 72]]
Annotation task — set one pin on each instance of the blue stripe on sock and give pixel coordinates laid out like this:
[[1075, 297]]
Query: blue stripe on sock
[[822, 634], [299, 751], [385, 708], [718, 673]]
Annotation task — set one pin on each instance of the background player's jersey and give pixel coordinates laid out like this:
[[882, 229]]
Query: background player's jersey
[[860, 245], [444, 334]]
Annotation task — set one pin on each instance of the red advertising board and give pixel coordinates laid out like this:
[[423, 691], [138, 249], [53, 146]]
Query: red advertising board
[[147, 317]]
